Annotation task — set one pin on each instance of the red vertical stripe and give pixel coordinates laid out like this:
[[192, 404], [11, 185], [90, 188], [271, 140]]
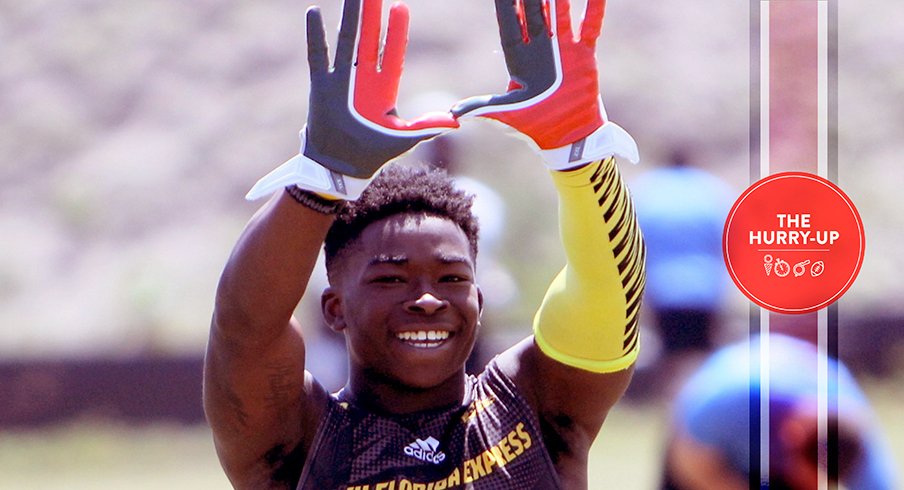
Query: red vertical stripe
[[793, 136], [793, 103]]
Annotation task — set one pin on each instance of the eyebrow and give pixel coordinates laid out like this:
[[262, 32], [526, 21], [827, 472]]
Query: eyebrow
[[388, 259], [454, 259], [382, 259]]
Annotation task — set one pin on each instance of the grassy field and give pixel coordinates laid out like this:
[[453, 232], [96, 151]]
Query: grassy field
[[96, 456], [92, 455]]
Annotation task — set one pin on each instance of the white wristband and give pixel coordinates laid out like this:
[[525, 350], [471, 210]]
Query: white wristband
[[309, 175], [610, 139]]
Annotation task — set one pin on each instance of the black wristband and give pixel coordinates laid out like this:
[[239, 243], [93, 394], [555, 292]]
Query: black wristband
[[313, 201]]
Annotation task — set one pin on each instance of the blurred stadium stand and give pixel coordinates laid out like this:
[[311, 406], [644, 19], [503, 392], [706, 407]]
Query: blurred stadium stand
[[37, 393]]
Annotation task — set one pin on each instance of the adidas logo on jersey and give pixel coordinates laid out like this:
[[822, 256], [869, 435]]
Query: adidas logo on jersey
[[425, 450]]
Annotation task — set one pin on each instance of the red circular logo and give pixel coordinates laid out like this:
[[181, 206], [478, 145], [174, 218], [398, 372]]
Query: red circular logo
[[793, 242]]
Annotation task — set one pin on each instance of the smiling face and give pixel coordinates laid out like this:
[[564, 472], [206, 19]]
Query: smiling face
[[405, 296]]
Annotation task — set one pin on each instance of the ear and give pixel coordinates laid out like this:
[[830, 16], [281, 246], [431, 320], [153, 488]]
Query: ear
[[479, 303], [331, 306]]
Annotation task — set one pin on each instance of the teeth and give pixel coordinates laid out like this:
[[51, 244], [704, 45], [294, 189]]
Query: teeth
[[427, 338], [426, 345]]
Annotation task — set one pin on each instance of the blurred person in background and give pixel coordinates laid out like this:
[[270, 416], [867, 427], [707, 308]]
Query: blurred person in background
[[400, 247], [682, 210], [710, 445]]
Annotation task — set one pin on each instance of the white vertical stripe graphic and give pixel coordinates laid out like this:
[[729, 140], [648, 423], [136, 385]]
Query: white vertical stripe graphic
[[822, 165], [764, 172], [764, 396], [764, 89], [822, 90], [822, 399]]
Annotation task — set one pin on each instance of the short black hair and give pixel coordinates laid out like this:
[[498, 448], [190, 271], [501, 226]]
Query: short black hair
[[401, 190]]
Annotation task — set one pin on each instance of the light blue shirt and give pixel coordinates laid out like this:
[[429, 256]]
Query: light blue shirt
[[682, 212], [714, 405]]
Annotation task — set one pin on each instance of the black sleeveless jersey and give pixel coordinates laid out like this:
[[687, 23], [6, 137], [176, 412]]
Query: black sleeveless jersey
[[491, 442]]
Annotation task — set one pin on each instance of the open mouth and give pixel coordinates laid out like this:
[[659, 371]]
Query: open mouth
[[424, 339]]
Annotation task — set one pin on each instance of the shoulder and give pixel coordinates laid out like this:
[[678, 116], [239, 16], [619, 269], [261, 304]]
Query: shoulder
[[284, 463], [569, 403]]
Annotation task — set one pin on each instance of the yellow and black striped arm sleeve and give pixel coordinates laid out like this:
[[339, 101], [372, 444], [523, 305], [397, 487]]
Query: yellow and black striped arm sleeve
[[589, 317]]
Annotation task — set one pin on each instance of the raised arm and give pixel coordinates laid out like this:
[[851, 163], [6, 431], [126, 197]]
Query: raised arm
[[262, 406], [256, 398], [579, 361]]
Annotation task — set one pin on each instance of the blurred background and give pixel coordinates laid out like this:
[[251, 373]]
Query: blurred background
[[130, 131]]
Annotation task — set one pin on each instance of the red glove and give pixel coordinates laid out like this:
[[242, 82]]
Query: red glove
[[353, 128], [553, 95]]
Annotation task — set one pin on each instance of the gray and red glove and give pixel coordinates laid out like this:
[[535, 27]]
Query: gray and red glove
[[553, 93], [353, 128]]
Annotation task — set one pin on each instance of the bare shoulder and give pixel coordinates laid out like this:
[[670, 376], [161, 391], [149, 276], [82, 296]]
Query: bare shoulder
[[264, 410], [571, 404]]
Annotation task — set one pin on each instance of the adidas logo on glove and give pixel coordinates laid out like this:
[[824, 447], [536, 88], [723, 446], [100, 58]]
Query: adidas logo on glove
[[425, 450]]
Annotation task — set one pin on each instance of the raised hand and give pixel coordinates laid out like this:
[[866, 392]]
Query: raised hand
[[553, 94], [353, 127]]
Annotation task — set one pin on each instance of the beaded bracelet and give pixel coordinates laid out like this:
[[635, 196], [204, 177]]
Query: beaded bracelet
[[313, 201]]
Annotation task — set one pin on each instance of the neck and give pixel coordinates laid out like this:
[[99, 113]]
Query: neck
[[374, 392]]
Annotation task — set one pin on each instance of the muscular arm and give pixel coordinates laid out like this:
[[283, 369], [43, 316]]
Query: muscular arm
[[261, 404], [261, 407], [588, 318], [585, 341]]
